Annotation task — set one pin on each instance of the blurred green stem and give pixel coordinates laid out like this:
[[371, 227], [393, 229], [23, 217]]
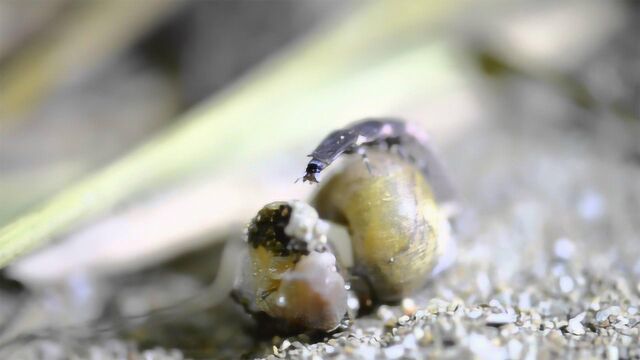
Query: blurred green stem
[[89, 34], [369, 60]]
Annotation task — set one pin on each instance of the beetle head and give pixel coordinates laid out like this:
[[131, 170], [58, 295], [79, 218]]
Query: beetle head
[[314, 167]]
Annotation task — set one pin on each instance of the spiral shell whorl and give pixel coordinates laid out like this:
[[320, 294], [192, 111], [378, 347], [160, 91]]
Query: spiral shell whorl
[[393, 220]]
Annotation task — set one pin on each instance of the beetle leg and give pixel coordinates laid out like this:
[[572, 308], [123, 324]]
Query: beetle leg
[[363, 152], [401, 151]]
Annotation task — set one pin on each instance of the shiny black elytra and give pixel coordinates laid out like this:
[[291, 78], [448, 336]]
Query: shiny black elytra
[[352, 139], [410, 142]]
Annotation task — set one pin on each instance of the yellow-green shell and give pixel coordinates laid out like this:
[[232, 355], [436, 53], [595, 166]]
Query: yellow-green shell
[[392, 218]]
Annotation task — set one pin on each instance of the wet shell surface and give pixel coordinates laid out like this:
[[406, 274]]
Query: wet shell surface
[[395, 225], [290, 275]]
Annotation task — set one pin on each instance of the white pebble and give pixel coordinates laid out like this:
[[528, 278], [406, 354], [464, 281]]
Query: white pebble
[[524, 301], [410, 342], [409, 306], [484, 284], [501, 318], [566, 284], [515, 349], [393, 352], [483, 348], [604, 314], [591, 206], [475, 313], [496, 304], [575, 324], [365, 352], [564, 249]]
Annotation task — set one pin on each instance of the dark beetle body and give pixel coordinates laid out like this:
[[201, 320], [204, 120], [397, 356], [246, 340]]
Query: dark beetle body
[[411, 142], [350, 140]]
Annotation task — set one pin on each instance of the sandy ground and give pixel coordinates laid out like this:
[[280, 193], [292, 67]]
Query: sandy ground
[[547, 262]]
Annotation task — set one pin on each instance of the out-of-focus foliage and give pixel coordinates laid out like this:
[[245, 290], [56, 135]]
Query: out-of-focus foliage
[[313, 81]]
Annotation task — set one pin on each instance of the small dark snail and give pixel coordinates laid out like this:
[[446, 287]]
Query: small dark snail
[[290, 274]]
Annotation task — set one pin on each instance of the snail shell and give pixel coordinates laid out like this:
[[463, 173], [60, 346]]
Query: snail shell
[[290, 275], [395, 224]]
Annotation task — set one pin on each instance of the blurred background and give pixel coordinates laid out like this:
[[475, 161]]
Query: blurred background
[[137, 136]]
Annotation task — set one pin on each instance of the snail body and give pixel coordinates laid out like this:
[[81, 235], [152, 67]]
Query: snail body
[[289, 273], [396, 227]]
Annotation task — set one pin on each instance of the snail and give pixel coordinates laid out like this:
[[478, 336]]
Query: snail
[[396, 227], [396, 205], [397, 232], [290, 274]]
